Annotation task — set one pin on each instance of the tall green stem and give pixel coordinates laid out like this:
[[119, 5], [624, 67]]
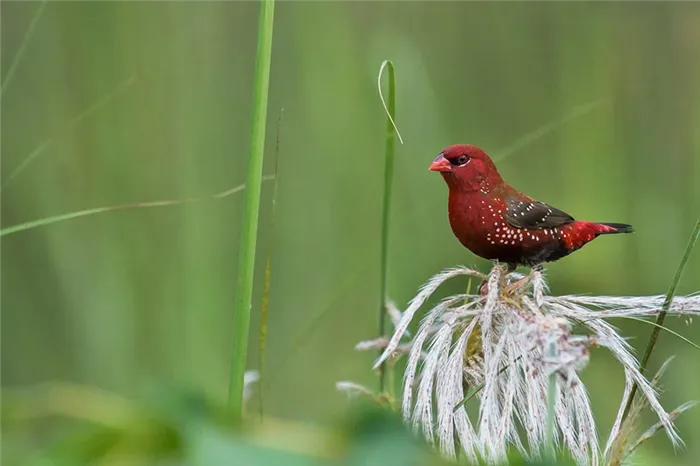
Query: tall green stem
[[654, 336], [265, 302], [246, 257], [386, 206]]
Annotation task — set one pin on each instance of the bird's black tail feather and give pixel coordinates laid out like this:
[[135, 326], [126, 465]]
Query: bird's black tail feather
[[619, 228]]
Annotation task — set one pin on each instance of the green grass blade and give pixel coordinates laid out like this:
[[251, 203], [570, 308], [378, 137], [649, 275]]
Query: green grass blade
[[471, 395], [390, 109], [548, 128], [268, 270], [135, 205], [306, 335], [69, 125], [664, 328], [654, 336], [246, 257], [22, 47], [479, 387], [388, 64], [659, 425]]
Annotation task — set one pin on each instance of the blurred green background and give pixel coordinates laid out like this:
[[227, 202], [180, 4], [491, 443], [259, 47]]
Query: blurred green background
[[141, 101]]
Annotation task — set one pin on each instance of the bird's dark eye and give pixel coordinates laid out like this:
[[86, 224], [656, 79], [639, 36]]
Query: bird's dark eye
[[462, 159]]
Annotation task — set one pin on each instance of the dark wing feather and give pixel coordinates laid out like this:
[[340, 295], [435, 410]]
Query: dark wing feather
[[535, 215]]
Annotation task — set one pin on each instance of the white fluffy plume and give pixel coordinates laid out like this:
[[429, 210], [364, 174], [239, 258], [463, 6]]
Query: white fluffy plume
[[503, 345]]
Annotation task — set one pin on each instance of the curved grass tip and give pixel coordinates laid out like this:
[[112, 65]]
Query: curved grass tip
[[385, 64]]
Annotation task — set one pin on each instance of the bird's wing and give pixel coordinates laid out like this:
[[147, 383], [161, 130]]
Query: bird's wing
[[535, 215]]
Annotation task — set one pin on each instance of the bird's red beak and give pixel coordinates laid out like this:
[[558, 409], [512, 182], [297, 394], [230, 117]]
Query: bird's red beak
[[441, 164]]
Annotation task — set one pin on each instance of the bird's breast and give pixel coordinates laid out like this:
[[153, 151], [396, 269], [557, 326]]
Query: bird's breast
[[478, 222]]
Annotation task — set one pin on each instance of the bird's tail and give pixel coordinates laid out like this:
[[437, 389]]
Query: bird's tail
[[612, 228]]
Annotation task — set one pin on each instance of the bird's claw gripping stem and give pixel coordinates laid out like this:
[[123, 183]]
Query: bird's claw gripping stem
[[517, 285], [484, 288], [513, 287]]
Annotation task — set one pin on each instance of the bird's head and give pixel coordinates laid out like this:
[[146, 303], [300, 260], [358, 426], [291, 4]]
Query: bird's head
[[466, 167]]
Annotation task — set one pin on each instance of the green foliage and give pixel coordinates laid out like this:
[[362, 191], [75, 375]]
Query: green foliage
[[177, 427]]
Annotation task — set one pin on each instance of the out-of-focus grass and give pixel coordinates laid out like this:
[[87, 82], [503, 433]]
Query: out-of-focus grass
[[41, 222], [10, 72], [67, 127], [176, 427], [115, 300]]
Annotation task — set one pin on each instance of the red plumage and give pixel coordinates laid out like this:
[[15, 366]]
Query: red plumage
[[495, 221]]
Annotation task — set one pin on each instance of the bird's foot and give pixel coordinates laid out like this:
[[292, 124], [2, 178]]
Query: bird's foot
[[524, 282], [484, 288], [517, 285], [505, 271]]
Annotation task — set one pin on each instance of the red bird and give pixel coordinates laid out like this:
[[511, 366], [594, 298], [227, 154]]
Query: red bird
[[495, 221]]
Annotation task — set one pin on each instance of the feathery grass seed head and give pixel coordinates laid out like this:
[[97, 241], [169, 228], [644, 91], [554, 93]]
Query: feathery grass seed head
[[524, 336]]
